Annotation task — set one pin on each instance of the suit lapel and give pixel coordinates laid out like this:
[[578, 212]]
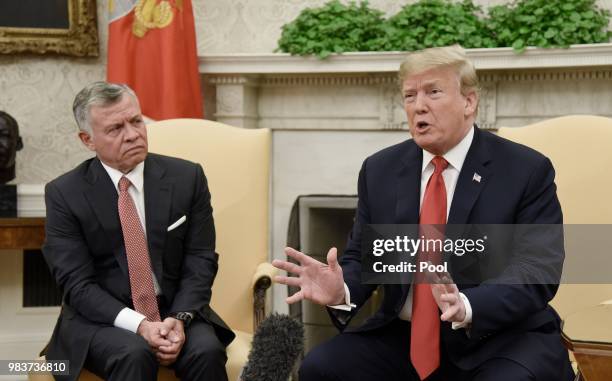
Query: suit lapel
[[408, 185], [472, 179], [158, 196], [102, 197]]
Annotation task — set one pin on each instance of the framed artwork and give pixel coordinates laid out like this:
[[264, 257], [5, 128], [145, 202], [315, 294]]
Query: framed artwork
[[66, 27]]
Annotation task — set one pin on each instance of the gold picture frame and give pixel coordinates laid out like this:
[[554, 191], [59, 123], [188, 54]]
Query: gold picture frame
[[78, 38]]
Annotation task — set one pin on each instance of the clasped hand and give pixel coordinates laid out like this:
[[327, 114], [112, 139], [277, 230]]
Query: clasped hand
[[166, 338]]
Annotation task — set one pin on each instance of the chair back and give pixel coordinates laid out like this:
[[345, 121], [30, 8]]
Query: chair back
[[580, 148], [236, 162]]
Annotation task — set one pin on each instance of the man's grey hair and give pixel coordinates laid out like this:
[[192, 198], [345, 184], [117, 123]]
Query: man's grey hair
[[97, 94]]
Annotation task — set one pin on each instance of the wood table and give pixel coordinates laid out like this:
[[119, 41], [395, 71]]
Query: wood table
[[22, 233], [588, 333]]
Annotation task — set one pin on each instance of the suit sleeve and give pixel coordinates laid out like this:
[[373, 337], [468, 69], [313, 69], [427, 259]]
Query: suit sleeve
[[70, 262], [532, 276], [200, 262]]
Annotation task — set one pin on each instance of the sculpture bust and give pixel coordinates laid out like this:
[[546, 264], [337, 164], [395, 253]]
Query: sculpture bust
[[10, 143]]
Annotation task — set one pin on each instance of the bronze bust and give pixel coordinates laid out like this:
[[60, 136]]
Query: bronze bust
[[10, 143]]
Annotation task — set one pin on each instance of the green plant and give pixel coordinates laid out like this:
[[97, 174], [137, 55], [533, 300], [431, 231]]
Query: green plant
[[333, 28], [338, 28], [548, 23], [429, 23]]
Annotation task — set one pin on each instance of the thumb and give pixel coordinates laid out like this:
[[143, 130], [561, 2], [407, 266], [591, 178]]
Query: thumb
[[332, 259]]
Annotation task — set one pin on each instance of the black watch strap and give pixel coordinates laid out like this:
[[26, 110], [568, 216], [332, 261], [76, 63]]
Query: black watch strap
[[185, 317]]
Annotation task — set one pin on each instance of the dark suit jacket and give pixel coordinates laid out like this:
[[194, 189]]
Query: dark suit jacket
[[85, 251], [516, 187]]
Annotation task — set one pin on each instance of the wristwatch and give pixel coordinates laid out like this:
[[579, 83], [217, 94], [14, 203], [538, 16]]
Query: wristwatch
[[185, 317]]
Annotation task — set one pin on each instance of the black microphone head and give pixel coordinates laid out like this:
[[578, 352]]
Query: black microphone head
[[277, 343]]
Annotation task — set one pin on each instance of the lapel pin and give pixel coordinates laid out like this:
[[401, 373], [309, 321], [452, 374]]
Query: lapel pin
[[476, 177]]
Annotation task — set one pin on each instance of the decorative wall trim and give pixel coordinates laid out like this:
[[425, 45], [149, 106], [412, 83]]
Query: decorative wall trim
[[368, 79], [531, 76], [31, 200], [234, 80], [588, 55], [327, 80], [280, 91]]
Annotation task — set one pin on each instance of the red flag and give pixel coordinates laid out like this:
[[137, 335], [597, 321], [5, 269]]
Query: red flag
[[152, 48]]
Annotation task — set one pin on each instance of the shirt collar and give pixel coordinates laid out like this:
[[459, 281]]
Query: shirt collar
[[136, 175], [456, 155]]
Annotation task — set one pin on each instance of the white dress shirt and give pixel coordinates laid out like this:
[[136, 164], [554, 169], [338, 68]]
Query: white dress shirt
[[128, 318], [455, 158]]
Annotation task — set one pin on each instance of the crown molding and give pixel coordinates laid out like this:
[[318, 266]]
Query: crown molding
[[577, 56]]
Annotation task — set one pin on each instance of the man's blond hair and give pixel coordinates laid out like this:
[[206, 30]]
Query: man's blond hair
[[448, 56]]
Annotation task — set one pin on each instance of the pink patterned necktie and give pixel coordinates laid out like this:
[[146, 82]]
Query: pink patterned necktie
[[425, 327], [139, 262]]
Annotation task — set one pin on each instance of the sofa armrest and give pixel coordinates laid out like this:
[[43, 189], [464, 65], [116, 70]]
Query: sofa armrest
[[262, 280]]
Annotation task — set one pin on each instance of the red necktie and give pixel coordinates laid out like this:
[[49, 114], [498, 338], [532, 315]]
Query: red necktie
[[425, 328], [139, 262]]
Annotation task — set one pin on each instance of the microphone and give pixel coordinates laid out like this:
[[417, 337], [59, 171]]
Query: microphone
[[277, 343]]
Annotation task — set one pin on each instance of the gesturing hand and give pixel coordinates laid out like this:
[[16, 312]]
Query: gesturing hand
[[320, 283], [448, 300]]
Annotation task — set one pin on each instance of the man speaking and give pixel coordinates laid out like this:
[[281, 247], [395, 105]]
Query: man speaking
[[450, 172]]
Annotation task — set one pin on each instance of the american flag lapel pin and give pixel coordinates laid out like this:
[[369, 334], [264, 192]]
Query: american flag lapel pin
[[476, 177]]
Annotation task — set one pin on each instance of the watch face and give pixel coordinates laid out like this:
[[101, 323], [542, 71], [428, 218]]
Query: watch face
[[185, 317]]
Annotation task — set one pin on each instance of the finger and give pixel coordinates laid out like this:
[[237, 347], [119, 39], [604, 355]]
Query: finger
[[166, 362], [451, 288], [449, 298], [166, 356], [169, 350], [156, 335], [160, 342], [437, 290], [170, 323], [449, 313], [295, 297], [174, 336], [287, 266], [298, 256], [288, 280], [431, 277], [332, 258]]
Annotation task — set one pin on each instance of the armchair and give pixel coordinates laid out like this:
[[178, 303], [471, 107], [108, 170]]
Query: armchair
[[579, 148], [236, 163]]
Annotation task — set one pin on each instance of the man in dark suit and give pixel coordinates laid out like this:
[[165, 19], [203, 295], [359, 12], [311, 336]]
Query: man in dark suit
[[130, 239], [450, 172]]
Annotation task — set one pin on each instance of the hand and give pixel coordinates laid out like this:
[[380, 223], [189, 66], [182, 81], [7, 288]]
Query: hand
[[174, 331], [448, 300], [154, 333], [320, 283]]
